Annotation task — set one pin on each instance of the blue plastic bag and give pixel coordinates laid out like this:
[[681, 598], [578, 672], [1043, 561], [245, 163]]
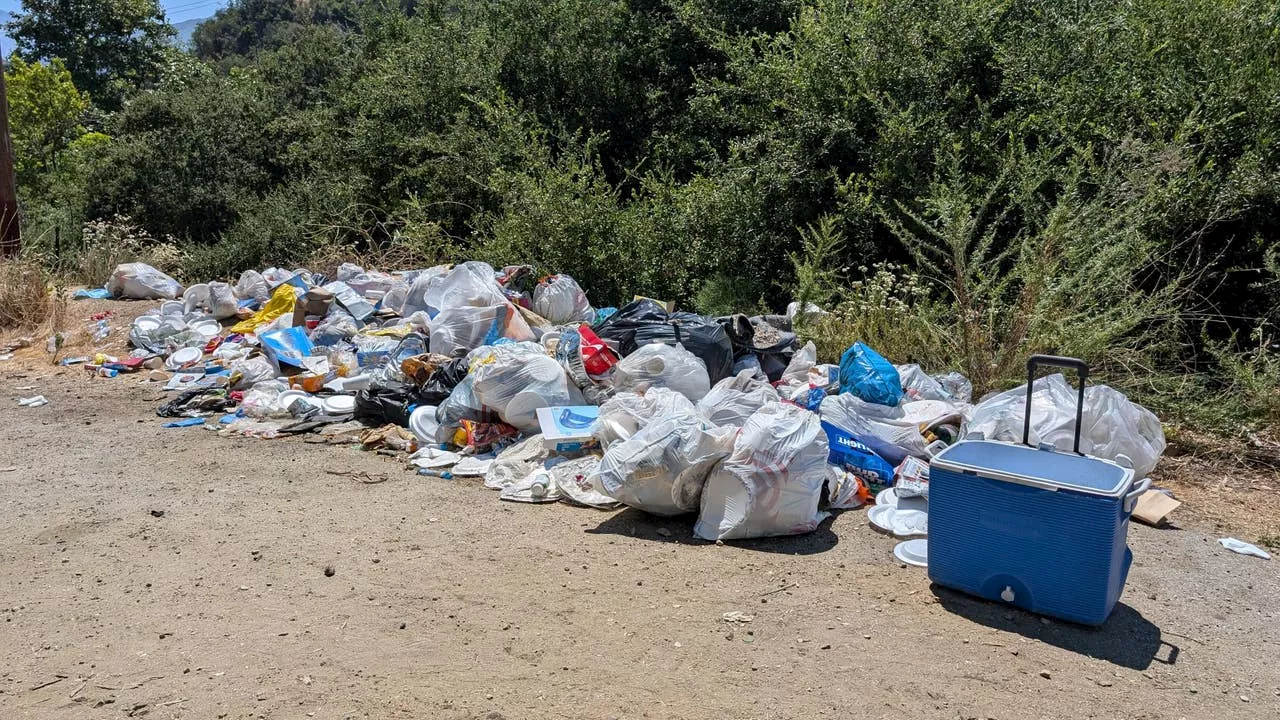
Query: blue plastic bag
[[866, 374], [848, 452]]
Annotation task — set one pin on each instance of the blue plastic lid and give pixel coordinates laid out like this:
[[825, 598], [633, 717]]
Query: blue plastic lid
[[1048, 469]]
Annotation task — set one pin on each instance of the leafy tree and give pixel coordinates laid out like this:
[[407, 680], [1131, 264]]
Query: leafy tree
[[44, 116], [111, 47]]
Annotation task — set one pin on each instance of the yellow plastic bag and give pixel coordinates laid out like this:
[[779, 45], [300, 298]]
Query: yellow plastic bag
[[281, 302]]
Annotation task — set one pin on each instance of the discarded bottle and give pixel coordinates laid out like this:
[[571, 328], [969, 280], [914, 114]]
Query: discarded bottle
[[541, 484]]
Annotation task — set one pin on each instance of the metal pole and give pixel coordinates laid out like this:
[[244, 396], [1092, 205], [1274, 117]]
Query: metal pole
[[10, 227]]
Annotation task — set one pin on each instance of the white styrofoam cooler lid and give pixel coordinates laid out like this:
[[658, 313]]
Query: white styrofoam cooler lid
[[1048, 469]]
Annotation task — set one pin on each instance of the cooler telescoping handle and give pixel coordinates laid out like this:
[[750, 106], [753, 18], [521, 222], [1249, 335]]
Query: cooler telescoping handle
[[1082, 370]]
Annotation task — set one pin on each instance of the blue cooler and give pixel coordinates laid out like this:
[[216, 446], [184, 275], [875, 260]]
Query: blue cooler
[[1034, 528]]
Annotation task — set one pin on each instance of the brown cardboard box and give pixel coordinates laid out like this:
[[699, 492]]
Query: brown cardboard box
[[315, 301], [1153, 508]]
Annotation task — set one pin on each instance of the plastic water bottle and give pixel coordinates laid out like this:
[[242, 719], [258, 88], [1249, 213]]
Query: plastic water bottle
[[541, 485]]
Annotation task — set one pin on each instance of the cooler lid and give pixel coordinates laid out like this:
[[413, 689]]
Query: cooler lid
[[1048, 469]]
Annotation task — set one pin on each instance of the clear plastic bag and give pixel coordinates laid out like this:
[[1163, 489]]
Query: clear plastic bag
[[1113, 427], [659, 365], [561, 300], [471, 284], [918, 385], [456, 331], [661, 469], [140, 281], [263, 400], [735, 399], [336, 327], [252, 371], [415, 299], [517, 379], [772, 482], [626, 414]]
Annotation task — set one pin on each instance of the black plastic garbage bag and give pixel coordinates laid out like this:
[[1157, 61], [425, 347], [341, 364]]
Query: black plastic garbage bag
[[756, 336], [644, 321], [196, 401], [394, 403]]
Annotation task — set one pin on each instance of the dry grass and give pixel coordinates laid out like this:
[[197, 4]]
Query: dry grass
[[26, 299]]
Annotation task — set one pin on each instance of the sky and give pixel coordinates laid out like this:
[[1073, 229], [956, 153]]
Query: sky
[[175, 10]]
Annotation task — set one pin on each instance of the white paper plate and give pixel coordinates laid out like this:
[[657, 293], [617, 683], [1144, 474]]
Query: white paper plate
[[183, 357], [340, 405], [913, 552]]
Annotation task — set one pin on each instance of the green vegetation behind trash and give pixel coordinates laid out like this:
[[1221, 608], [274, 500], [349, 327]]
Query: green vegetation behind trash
[[960, 184]]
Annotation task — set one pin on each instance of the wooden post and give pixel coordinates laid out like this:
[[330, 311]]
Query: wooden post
[[10, 227]]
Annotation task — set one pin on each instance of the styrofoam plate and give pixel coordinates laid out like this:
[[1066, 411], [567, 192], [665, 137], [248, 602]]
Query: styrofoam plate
[[288, 397], [208, 328], [909, 523], [889, 497], [147, 323], [183, 357], [340, 404], [881, 516], [913, 552]]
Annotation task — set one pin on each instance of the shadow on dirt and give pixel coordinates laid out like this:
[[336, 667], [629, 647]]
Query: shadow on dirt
[[1126, 639], [634, 523]]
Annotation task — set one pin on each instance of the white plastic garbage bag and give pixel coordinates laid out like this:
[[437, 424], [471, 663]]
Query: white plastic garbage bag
[[735, 399], [661, 469], [516, 462], [659, 365], [252, 286], [626, 414], [347, 270], [893, 424], [518, 378], [471, 284], [140, 281], [576, 480], [456, 331], [772, 482], [1114, 428], [561, 300], [222, 301]]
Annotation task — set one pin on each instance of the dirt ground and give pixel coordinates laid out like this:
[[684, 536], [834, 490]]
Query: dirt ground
[[175, 574]]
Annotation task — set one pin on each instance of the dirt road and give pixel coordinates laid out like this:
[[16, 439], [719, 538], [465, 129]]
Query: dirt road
[[173, 573]]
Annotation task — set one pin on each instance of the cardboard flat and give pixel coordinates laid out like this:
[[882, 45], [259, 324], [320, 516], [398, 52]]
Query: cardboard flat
[[1153, 508]]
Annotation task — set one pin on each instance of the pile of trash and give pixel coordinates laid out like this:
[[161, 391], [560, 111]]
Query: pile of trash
[[520, 381]]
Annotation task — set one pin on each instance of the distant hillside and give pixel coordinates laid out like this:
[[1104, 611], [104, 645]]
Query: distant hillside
[[185, 29]]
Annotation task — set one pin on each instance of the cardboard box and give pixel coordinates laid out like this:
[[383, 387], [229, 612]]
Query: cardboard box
[[568, 429]]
